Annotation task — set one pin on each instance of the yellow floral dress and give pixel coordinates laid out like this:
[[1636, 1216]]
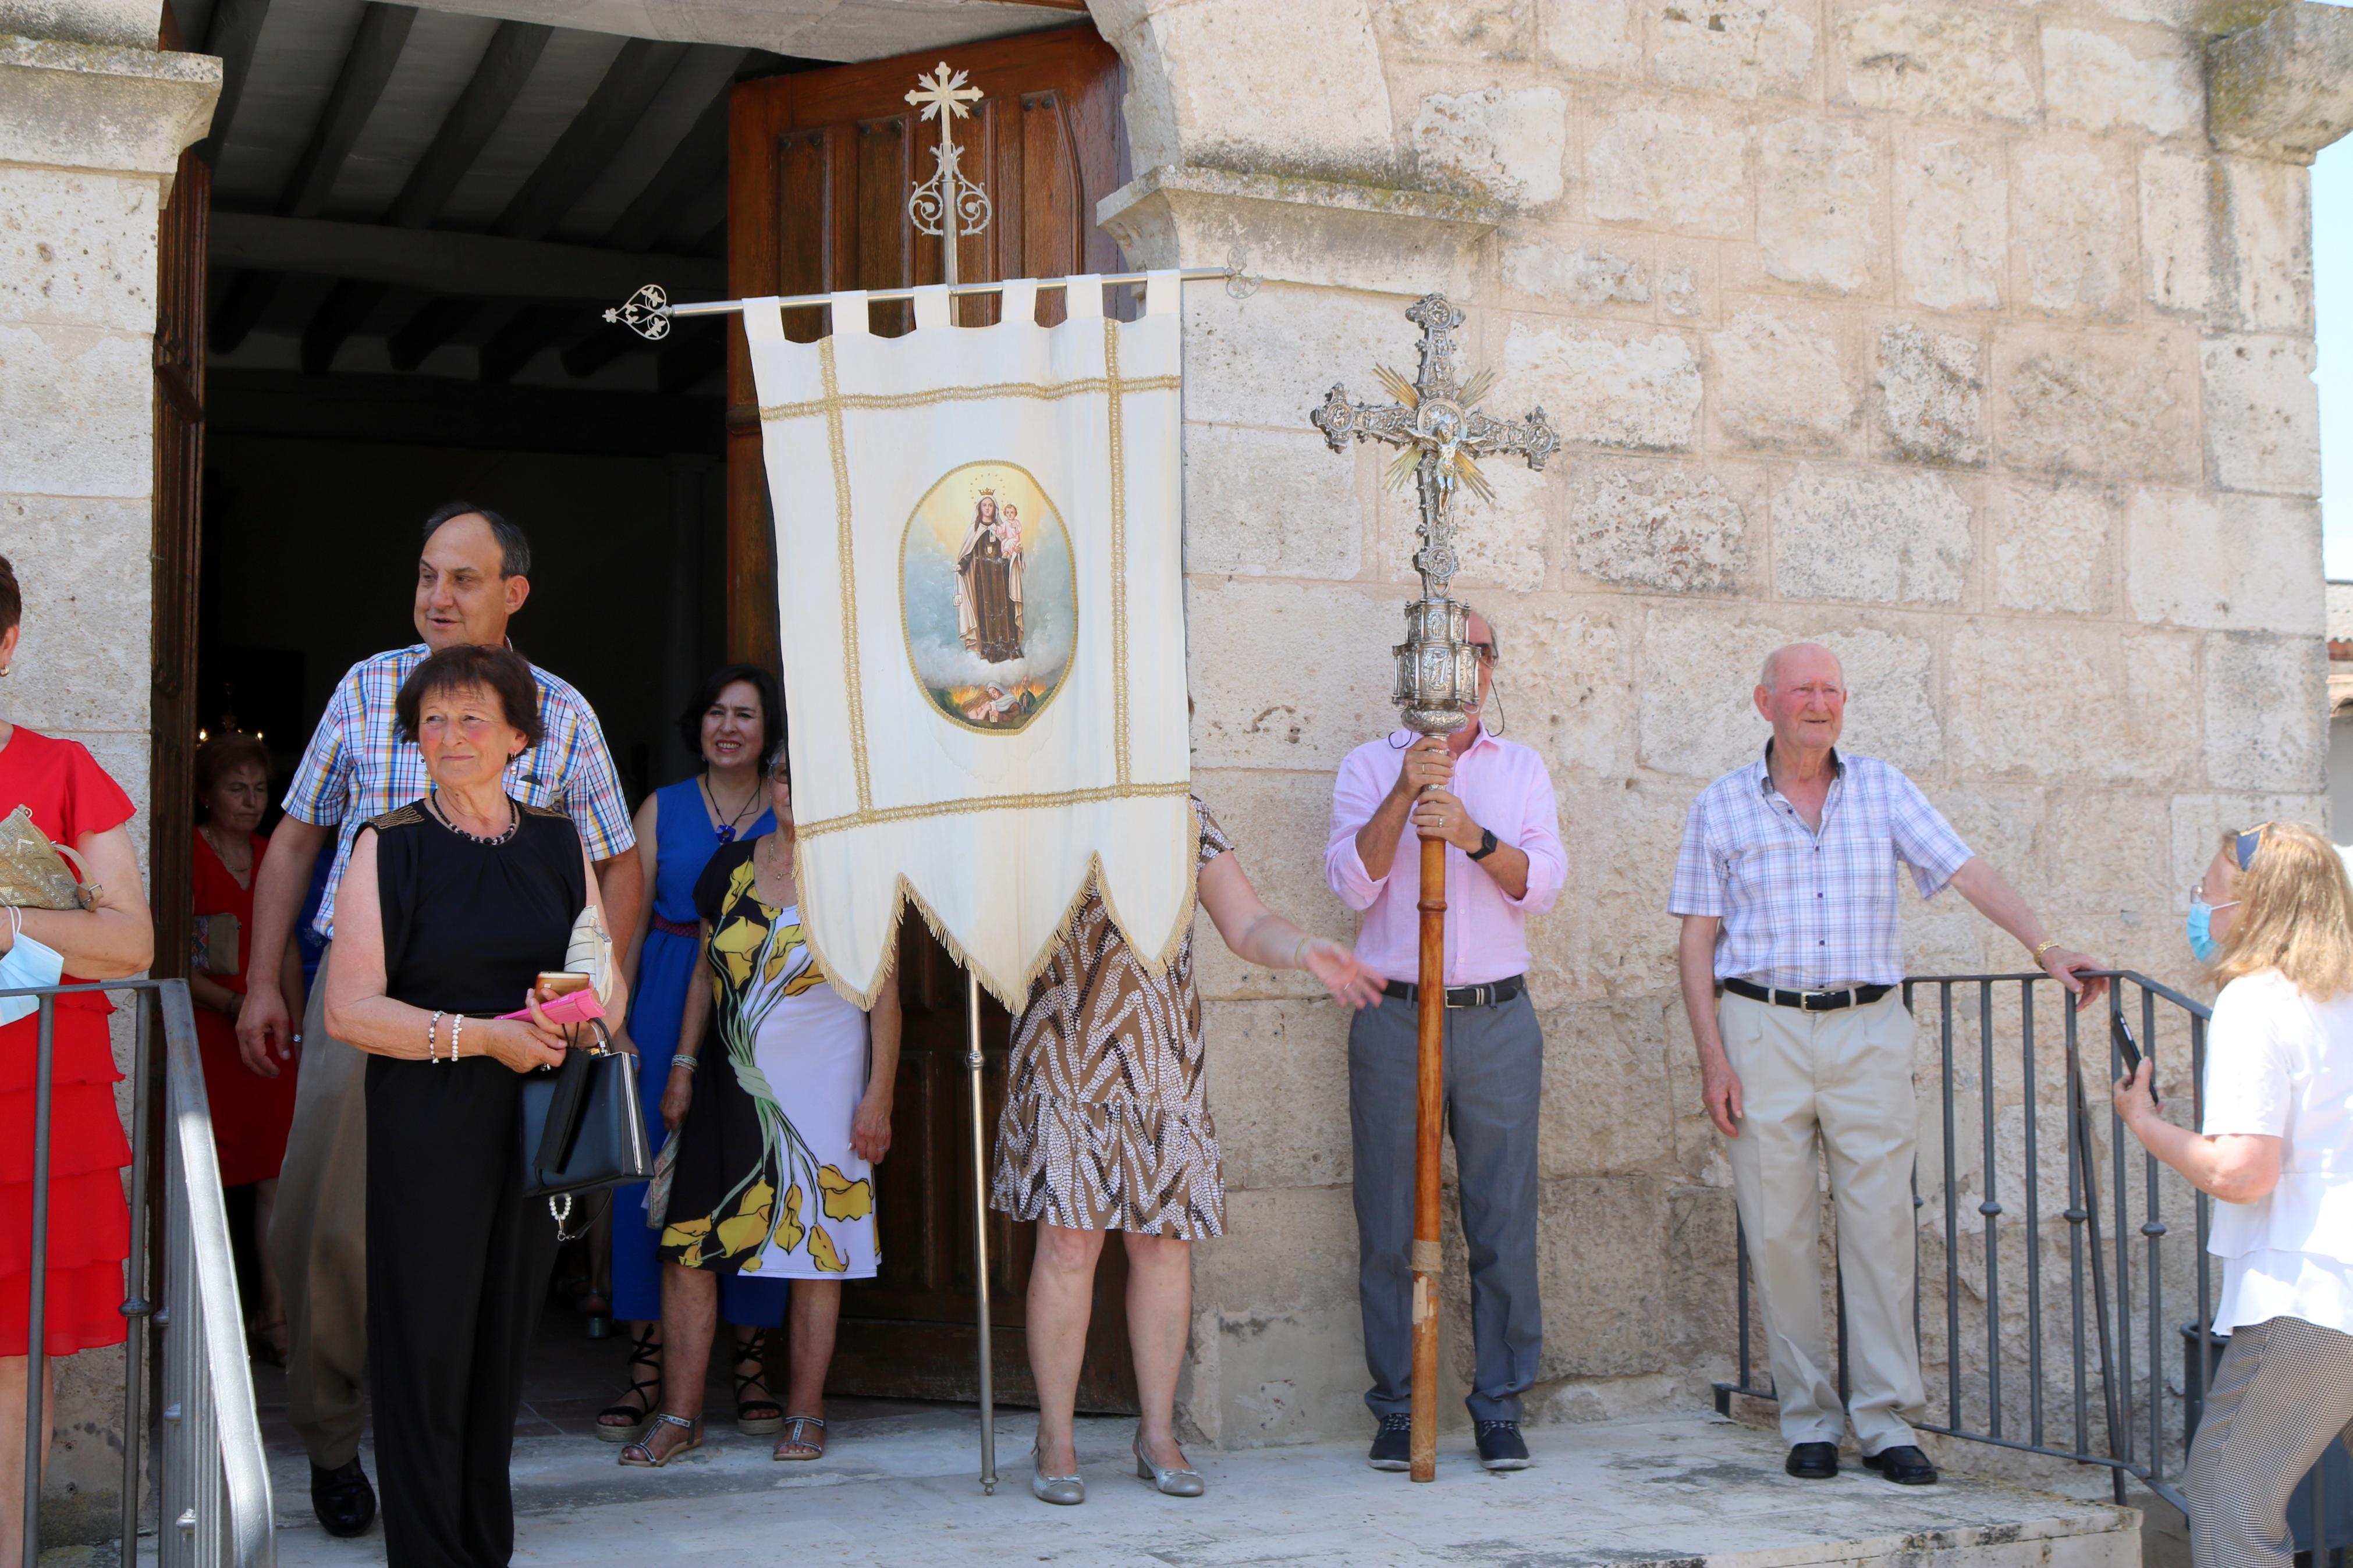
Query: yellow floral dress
[[765, 1182]]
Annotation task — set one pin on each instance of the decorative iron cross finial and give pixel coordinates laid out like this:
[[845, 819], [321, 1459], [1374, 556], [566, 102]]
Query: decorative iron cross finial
[[1435, 422], [947, 204]]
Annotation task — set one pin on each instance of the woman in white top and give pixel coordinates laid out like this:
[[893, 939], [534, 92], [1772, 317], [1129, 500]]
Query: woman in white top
[[2275, 913]]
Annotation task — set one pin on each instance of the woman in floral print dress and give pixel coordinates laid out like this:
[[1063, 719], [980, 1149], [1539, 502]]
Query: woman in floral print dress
[[779, 1100]]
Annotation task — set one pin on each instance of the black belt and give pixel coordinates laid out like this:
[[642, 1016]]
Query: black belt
[[1810, 1001], [1494, 994]]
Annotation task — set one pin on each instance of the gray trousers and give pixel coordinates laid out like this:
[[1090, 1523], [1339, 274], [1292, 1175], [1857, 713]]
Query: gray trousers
[[318, 1241], [2283, 1392], [1495, 1078]]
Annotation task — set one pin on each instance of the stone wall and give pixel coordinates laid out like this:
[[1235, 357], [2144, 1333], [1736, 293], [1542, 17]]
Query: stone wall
[[90, 129], [1941, 334]]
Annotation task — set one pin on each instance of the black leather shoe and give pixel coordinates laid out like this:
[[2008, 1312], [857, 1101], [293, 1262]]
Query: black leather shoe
[[343, 1500], [1501, 1447], [1393, 1444], [1812, 1461], [1906, 1466]]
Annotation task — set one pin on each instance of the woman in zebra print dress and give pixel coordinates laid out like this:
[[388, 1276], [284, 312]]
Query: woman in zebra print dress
[[1106, 1127]]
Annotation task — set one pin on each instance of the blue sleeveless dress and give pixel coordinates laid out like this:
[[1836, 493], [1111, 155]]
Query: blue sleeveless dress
[[684, 842]]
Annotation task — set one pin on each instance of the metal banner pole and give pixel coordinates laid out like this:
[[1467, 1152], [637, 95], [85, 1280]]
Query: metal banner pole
[[1437, 422], [973, 1062]]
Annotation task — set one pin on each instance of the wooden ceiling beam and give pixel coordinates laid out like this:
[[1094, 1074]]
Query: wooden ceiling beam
[[444, 261], [233, 34]]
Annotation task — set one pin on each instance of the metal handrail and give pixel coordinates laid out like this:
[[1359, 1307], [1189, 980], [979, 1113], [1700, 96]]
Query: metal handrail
[[2139, 1425], [212, 1475]]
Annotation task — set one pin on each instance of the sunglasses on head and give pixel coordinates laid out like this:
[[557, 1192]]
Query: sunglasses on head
[[2247, 842]]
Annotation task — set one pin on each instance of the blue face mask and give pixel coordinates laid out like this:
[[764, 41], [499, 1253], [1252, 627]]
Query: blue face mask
[[26, 962], [2202, 945]]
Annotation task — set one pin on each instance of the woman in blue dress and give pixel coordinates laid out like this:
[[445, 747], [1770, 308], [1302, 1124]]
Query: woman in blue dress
[[737, 720]]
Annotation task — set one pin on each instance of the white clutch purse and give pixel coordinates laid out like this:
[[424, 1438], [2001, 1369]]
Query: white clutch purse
[[590, 953]]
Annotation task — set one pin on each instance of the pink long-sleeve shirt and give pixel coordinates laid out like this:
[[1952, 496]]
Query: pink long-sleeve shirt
[[1504, 787]]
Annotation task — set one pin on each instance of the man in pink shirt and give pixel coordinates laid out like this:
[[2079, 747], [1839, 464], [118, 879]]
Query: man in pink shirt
[[1491, 802]]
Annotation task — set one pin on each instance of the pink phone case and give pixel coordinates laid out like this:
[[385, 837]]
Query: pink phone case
[[571, 1008]]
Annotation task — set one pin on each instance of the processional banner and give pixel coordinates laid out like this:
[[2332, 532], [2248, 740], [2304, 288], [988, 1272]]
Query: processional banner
[[980, 601]]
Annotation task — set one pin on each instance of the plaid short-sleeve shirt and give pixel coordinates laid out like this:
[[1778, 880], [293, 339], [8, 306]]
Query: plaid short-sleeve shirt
[[354, 770], [1807, 909]]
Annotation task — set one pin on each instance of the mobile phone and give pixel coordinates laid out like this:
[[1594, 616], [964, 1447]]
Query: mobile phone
[[555, 982], [2128, 1049]]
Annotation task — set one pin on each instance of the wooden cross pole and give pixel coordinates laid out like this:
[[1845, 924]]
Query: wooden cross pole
[[1440, 434]]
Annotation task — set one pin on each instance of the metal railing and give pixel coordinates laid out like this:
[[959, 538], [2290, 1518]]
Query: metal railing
[[211, 1475], [2070, 1300]]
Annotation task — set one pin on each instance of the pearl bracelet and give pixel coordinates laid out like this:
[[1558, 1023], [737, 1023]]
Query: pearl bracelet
[[457, 1033], [432, 1029]]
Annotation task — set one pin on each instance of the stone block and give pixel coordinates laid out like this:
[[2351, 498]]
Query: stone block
[[1265, 1379], [1290, 1250], [1605, 387], [2267, 713], [1816, 200], [1781, 382], [2052, 551], [99, 107], [1686, 276], [1278, 1074], [1230, 83], [1665, 528], [2075, 246], [1288, 676], [2101, 83], [1931, 395], [77, 405], [1608, 1105], [2076, 404], [1476, 29], [2282, 88], [1743, 48], [1609, 936], [1924, 59], [2263, 414], [1267, 504], [2224, 563], [1601, 1264], [1599, 36], [1700, 667], [1671, 169], [77, 250], [1567, 684], [1879, 538], [2119, 723], [2267, 244], [1582, 276], [1501, 542], [2178, 199], [81, 663], [1508, 145], [1279, 822], [1266, 360], [1956, 217]]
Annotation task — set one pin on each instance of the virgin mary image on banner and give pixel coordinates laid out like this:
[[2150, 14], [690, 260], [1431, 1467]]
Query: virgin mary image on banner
[[990, 611]]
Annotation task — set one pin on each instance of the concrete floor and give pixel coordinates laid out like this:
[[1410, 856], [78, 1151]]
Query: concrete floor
[[898, 1488]]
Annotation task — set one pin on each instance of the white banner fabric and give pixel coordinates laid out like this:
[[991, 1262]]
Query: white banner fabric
[[981, 606]]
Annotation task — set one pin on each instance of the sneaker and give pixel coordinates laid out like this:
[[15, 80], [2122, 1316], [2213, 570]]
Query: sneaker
[[1393, 1444], [1501, 1447]]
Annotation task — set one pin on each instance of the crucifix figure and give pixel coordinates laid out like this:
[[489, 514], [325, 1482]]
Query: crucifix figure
[[1436, 424]]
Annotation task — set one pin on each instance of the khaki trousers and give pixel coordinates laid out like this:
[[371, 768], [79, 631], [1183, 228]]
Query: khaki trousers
[[1842, 1081], [318, 1240]]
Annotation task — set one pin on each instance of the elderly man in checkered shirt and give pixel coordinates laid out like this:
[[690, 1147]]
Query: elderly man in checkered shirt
[[1787, 886]]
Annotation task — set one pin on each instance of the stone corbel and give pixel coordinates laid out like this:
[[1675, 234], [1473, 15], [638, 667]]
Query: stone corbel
[[1298, 230], [101, 108], [2284, 88]]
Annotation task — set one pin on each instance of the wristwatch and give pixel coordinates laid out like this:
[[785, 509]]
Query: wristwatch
[[1486, 844]]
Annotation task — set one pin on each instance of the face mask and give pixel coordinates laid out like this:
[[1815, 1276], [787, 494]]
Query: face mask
[[26, 962], [2202, 945]]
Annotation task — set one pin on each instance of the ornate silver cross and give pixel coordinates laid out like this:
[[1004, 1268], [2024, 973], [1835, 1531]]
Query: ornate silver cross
[[947, 204], [1436, 424]]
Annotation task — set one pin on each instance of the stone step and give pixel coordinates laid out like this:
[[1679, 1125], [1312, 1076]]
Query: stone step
[[899, 1489]]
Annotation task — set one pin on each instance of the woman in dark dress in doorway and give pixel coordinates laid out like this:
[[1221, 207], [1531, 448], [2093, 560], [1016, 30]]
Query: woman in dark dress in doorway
[[450, 908]]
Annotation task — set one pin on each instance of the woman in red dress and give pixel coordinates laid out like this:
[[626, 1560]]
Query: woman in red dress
[[75, 803], [252, 1105]]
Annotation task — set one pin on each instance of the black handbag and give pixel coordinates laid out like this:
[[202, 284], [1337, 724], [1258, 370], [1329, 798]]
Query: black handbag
[[584, 1128]]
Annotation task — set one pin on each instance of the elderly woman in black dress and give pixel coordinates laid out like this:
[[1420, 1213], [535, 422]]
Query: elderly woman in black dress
[[452, 907]]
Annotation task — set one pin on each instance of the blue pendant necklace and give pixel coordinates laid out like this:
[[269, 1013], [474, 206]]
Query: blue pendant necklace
[[727, 829]]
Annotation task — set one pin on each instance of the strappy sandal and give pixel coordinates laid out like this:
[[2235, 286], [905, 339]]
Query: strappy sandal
[[635, 1418], [755, 1417], [643, 1448], [797, 1438]]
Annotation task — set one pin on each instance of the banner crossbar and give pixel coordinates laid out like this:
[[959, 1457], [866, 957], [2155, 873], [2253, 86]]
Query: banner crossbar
[[649, 311]]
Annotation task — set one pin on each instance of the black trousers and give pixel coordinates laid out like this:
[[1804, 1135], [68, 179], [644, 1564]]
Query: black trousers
[[458, 1262]]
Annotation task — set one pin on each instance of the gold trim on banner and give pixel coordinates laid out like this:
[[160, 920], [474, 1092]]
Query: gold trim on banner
[[867, 818], [832, 405], [1048, 391], [1118, 551]]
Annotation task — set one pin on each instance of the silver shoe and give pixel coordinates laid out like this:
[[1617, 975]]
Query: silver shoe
[[1067, 1491], [1185, 1482]]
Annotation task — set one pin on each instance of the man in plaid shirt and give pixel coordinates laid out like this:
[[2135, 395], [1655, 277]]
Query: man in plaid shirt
[[1786, 884], [471, 578]]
